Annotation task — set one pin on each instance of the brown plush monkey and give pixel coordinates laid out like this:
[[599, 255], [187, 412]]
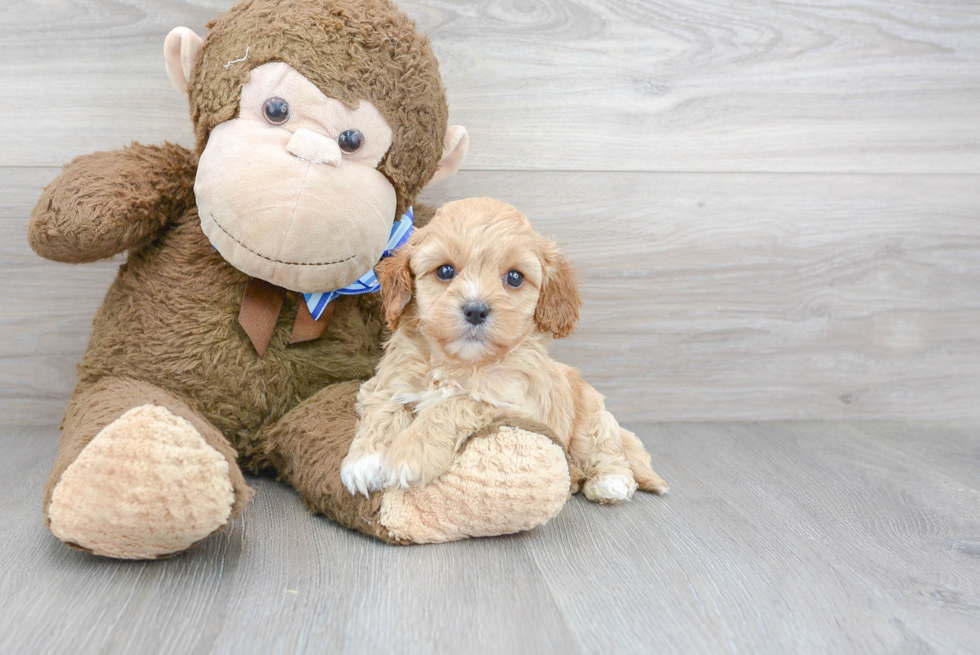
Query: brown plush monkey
[[318, 122]]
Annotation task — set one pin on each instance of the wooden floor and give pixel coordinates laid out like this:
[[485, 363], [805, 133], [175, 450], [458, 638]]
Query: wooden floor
[[783, 537]]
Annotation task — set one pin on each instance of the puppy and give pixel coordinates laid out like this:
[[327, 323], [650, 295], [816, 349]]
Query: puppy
[[473, 299]]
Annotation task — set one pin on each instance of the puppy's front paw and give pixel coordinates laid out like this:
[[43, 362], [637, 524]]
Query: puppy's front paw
[[402, 467], [363, 474], [402, 475], [410, 461], [609, 488]]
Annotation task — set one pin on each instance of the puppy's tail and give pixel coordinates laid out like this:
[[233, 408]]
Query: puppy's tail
[[639, 460]]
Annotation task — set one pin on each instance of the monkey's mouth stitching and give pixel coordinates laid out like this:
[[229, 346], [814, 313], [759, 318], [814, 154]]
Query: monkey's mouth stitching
[[277, 261]]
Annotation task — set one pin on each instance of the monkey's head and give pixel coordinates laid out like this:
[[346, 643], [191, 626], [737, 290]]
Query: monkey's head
[[318, 122]]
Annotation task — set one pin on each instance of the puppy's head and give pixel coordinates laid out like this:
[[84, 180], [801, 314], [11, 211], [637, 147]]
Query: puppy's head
[[483, 281]]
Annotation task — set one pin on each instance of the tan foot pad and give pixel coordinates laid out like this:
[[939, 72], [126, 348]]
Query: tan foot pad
[[147, 485], [511, 481]]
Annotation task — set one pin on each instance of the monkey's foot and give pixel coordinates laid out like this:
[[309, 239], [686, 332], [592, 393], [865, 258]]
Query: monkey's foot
[[147, 486], [506, 480]]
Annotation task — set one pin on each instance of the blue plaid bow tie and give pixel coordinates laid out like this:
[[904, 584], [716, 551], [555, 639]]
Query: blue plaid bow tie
[[368, 283]]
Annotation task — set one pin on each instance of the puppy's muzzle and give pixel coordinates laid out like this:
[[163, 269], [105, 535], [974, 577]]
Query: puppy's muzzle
[[476, 312]]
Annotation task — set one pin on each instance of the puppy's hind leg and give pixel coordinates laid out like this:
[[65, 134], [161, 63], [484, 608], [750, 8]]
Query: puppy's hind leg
[[617, 464], [639, 460], [609, 478]]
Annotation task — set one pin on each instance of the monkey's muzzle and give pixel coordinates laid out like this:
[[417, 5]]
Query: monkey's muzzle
[[303, 225]]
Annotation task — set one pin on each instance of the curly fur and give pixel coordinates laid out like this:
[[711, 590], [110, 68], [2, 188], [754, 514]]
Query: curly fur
[[442, 377]]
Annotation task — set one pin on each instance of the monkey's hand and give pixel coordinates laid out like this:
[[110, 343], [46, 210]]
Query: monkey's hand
[[108, 202]]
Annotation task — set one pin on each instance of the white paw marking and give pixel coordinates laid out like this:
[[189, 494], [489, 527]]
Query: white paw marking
[[610, 488], [363, 475]]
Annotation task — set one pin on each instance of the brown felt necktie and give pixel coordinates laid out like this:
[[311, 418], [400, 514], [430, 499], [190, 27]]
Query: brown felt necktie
[[260, 313]]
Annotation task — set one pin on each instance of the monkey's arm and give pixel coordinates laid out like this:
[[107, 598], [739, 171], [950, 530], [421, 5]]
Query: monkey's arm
[[108, 202]]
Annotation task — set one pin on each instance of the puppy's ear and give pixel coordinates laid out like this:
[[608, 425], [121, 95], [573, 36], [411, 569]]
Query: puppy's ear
[[559, 302], [395, 277]]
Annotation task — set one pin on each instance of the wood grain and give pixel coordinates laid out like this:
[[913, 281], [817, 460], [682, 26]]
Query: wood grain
[[942, 447], [802, 86], [776, 537]]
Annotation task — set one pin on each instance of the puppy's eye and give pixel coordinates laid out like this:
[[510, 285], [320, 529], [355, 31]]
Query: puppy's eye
[[446, 272], [514, 279], [350, 141], [276, 110]]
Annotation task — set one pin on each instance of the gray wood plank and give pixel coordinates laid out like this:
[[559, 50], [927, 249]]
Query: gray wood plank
[[776, 537], [953, 449], [706, 296], [569, 84]]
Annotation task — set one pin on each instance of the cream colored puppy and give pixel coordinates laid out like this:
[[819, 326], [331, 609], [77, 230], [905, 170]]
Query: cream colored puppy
[[474, 299]]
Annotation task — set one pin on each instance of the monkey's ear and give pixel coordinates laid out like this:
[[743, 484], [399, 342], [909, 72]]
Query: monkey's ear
[[559, 302], [395, 277], [454, 148], [180, 52]]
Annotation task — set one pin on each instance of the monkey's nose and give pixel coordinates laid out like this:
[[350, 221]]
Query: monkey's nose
[[476, 312], [314, 147]]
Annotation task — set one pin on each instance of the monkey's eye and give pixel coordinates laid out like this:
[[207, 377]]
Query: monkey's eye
[[514, 279], [276, 110], [446, 272], [350, 141]]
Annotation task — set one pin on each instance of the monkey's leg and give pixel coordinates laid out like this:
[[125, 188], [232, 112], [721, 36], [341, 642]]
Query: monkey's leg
[[139, 474], [509, 477]]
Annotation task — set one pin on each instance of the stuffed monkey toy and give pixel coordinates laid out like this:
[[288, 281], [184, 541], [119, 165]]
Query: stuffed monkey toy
[[236, 335]]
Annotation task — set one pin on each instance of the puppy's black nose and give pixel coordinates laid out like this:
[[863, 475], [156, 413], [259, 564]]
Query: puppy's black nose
[[476, 312]]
